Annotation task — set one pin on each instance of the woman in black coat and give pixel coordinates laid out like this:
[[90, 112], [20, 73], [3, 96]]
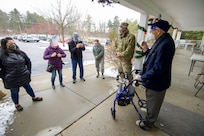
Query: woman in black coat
[[15, 70]]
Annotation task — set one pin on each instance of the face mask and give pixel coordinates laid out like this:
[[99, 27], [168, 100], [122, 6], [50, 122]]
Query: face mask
[[55, 46], [119, 31], [75, 37], [12, 47], [150, 36]]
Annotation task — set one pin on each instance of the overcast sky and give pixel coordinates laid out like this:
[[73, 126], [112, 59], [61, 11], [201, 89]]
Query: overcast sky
[[97, 11]]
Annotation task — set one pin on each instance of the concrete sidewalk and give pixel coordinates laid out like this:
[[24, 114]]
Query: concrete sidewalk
[[83, 109]]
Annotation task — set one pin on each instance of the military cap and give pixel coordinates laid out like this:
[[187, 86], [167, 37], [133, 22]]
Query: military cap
[[124, 24]]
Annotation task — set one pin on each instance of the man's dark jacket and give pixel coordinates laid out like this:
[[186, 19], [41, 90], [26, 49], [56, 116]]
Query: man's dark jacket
[[76, 53], [156, 71]]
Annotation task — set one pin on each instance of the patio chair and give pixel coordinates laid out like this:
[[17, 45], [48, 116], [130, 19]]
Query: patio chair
[[199, 80]]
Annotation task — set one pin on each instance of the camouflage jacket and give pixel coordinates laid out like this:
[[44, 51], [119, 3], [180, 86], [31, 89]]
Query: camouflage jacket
[[126, 45]]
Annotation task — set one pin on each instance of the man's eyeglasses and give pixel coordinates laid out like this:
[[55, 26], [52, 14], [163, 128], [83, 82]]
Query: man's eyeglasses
[[152, 27]]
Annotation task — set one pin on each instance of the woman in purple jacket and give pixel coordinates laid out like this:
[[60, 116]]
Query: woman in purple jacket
[[54, 55]]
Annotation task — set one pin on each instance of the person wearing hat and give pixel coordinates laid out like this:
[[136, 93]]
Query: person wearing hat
[[54, 55], [156, 72], [124, 48]]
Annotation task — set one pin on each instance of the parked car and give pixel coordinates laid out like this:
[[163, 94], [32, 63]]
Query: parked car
[[20, 37], [29, 38]]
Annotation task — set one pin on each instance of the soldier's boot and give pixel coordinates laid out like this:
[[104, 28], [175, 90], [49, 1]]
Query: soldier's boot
[[97, 75], [2, 94]]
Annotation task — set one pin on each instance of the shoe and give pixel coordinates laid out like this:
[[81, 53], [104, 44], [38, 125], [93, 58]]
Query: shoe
[[117, 77], [82, 79], [143, 109], [62, 85], [2, 94], [19, 108], [74, 81], [143, 126], [103, 77], [97, 75], [37, 99], [53, 87]]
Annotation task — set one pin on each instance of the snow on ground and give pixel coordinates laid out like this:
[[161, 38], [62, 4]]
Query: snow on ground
[[7, 107]]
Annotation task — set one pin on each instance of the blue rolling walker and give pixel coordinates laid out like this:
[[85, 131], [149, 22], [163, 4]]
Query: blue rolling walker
[[125, 93]]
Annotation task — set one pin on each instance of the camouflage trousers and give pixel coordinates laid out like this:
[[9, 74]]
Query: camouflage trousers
[[125, 67]]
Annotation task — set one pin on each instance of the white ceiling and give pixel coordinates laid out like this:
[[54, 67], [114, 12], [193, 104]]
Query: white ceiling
[[184, 14]]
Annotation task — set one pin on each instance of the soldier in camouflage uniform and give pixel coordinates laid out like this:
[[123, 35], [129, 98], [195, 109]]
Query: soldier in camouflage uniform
[[124, 48]]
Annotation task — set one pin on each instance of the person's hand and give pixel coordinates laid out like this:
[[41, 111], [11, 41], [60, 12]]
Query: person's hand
[[144, 46], [59, 55], [138, 77], [118, 54], [54, 54], [79, 45]]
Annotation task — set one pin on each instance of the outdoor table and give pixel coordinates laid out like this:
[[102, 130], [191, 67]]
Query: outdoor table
[[187, 44], [195, 58]]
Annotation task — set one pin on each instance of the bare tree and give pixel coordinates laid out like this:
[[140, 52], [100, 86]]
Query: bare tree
[[62, 16]]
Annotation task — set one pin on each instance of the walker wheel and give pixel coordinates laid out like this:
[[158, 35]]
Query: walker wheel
[[142, 103], [113, 113]]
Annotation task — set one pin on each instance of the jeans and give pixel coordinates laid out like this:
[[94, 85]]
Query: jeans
[[15, 91], [54, 76], [74, 66]]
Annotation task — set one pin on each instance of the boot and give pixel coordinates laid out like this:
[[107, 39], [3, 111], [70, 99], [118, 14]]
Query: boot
[[2, 94], [97, 75], [103, 77]]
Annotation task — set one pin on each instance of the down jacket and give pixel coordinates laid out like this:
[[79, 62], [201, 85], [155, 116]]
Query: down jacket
[[16, 69]]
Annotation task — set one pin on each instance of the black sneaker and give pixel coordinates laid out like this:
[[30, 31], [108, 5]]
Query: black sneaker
[[74, 81], [62, 85], [53, 87], [143, 126], [82, 79]]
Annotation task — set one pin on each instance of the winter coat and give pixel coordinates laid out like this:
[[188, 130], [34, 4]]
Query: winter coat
[[156, 71], [76, 53], [16, 69], [55, 61]]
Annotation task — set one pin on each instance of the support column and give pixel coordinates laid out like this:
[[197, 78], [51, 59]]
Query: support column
[[141, 35], [174, 34]]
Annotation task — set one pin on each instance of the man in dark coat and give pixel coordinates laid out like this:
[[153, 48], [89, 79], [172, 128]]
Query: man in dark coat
[[76, 47], [156, 71]]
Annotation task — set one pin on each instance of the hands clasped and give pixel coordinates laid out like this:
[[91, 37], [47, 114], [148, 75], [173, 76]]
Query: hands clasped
[[56, 55]]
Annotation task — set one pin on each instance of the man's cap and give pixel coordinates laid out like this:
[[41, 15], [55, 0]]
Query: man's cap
[[162, 24], [124, 24]]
